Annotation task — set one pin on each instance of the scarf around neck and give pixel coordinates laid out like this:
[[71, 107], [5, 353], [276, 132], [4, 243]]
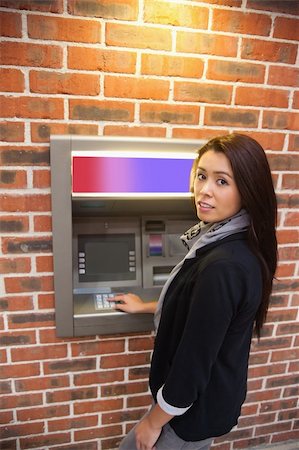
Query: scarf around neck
[[199, 236]]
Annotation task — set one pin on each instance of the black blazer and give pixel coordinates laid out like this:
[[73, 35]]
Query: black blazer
[[202, 345]]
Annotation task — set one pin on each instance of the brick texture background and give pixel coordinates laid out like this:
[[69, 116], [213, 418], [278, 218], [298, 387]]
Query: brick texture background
[[176, 69]]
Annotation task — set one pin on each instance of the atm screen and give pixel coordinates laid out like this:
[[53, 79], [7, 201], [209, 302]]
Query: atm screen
[[106, 258]]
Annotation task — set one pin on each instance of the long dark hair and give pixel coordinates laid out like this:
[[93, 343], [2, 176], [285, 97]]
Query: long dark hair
[[254, 181]]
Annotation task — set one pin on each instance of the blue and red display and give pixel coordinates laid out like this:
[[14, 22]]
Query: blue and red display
[[130, 175]]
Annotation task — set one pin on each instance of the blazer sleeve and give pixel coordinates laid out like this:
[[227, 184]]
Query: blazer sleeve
[[214, 301]]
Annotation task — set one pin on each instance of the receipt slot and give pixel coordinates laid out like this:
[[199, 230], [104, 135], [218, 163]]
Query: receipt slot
[[119, 206]]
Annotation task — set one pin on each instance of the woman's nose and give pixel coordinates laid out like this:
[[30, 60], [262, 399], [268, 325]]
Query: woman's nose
[[206, 188]]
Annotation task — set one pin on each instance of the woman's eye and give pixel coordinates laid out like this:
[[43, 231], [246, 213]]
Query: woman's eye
[[201, 176], [222, 182]]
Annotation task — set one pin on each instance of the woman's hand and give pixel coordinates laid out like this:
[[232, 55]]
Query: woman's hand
[[129, 303], [146, 434]]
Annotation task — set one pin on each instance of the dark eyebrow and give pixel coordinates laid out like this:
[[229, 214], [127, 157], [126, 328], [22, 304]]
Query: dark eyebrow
[[217, 172]]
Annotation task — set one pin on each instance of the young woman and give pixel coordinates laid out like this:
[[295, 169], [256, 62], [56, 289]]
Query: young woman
[[212, 301]]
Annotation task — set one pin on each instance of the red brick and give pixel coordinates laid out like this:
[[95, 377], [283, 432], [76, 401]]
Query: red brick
[[285, 271], [85, 421], [276, 98], [98, 348], [44, 264], [139, 373], [266, 371], [176, 14], [138, 36], [285, 316], [286, 28], [13, 179], [15, 265], [269, 51], [20, 370], [27, 245], [231, 117], [124, 389], [25, 203], [174, 66], [75, 365], [289, 328], [30, 320], [42, 223], [15, 285], [64, 83], [70, 395], [99, 377], [140, 88], [12, 430], [118, 130], [281, 120], [11, 80], [206, 43], [288, 253], [41, 131], [119, 9], [41, 178], [287, 436], [197, 133], [42, 413], [46, 301], [253, 442], [261, 396], [104, 60], [159, 113], [14, 224], [54, 6], [18, 338], [292, 218], [64, 29], [283, 76], [277, 405], [27, 54], [98, 432], [42, 383], [16, 303], [44, 440], [202, 92], [110, 362], [39, 353], [283, 162], [24, 156], [139, 344], [33, 107], [123, 416], [288, 7], [139, 400], [97, 406], [296, 100], [12, 131], [101, 110], [241, 22], [10, 24], [235, 71], [269, 141], [6, 417], [294, 142]]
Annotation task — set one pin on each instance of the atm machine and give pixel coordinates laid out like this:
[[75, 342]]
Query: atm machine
[[119, 206]]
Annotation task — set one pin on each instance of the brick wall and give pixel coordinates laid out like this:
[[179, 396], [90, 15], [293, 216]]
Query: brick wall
[[176, 69]]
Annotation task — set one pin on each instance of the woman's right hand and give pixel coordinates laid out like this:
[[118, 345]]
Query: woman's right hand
[[131, 303]]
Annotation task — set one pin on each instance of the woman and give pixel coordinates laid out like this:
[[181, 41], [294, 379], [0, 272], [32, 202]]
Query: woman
[[211, 302]]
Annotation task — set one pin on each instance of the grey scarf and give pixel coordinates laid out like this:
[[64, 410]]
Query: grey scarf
[[198, 236]]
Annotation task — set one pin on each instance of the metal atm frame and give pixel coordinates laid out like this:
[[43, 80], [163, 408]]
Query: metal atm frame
[[67, 207]]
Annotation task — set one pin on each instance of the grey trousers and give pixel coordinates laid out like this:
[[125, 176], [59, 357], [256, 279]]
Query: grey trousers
[[168, 440]]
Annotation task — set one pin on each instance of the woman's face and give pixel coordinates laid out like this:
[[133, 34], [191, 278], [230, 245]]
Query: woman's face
[[215, 191]]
